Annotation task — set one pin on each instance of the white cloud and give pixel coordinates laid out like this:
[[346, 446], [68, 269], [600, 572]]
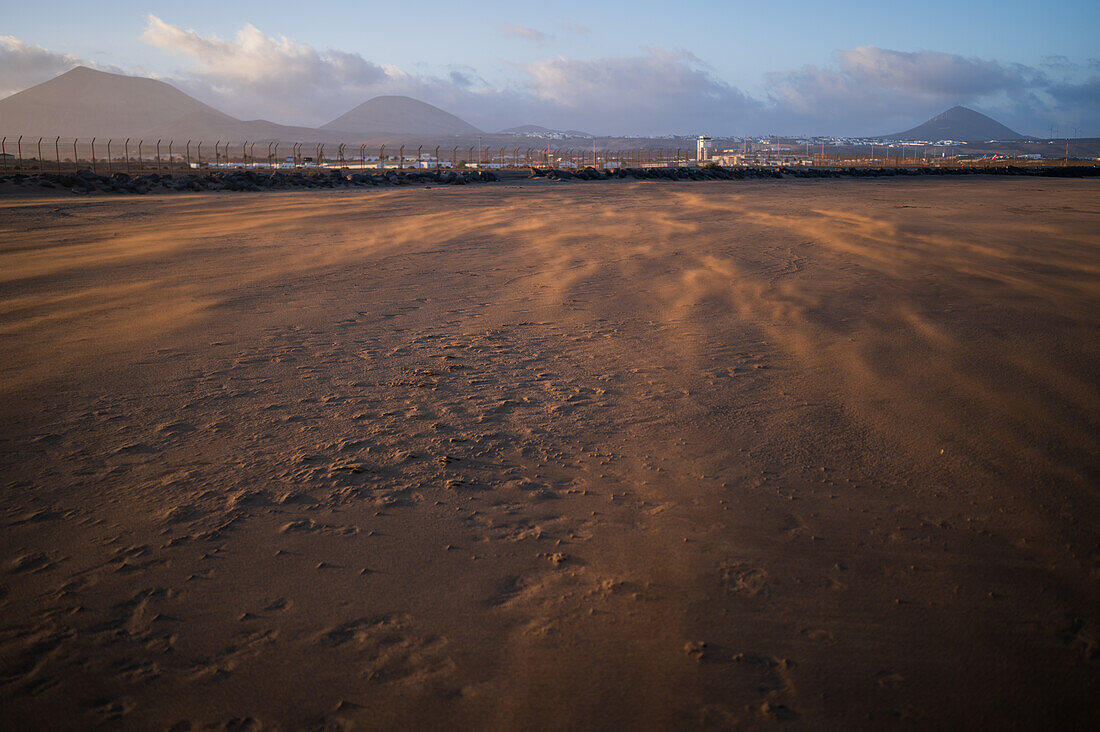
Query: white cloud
[[23, 65], [254, 74], [871, 90], [254, 58], [658, 92], [929, 73], [521, 31], [257, 75]]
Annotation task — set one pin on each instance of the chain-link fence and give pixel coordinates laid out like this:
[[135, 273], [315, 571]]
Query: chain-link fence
[[33, 154]]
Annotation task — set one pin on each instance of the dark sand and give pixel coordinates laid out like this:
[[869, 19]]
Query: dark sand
[[542, 456]]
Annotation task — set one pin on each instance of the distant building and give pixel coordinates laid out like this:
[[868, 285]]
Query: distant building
[[702, 148], [761, 158]]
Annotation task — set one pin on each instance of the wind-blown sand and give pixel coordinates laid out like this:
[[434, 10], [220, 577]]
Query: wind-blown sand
[[553, 456]]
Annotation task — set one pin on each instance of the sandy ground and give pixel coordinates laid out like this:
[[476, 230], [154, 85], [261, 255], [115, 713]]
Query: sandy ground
[[536, 455]]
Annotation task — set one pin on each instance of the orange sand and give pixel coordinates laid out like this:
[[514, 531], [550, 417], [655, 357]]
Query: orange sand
[[551, 456]]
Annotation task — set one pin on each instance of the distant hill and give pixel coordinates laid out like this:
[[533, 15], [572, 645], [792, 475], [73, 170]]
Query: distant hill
[[539, 130], [401, 115], [84, 102], [958, 123]]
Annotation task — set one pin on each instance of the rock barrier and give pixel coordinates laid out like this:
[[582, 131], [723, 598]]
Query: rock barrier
[[85, 181]]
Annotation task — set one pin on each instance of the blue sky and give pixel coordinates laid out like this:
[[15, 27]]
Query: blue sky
[[731, 67]]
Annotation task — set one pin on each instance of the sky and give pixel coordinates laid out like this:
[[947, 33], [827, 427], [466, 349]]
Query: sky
[[612, 67]]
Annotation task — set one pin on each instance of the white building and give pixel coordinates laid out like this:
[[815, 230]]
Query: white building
[[702, 148]]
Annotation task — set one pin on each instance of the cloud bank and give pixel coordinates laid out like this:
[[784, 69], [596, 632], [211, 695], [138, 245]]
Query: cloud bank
[[23, 65], [861, 91], [252, 74], [895, 88]]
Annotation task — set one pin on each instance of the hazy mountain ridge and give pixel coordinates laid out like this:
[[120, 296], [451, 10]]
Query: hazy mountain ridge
[[85, 102]]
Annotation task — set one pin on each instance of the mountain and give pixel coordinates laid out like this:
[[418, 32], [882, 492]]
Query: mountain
[[958, 123], [540, 130], [402, 115], [84, 102]]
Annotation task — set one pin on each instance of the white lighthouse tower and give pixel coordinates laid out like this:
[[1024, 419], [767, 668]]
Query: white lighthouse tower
[[702, 148]]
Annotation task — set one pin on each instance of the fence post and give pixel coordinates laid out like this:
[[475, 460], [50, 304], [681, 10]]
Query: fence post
[[363, 157], [4, 147], [76, 165], [19, 150], [170, 142], [57, 152], [188, 151], [275, 157], [418, 163], [198, 154], [381, 159], [217, 154], [401, 158], [93, 155], [158, 156]]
